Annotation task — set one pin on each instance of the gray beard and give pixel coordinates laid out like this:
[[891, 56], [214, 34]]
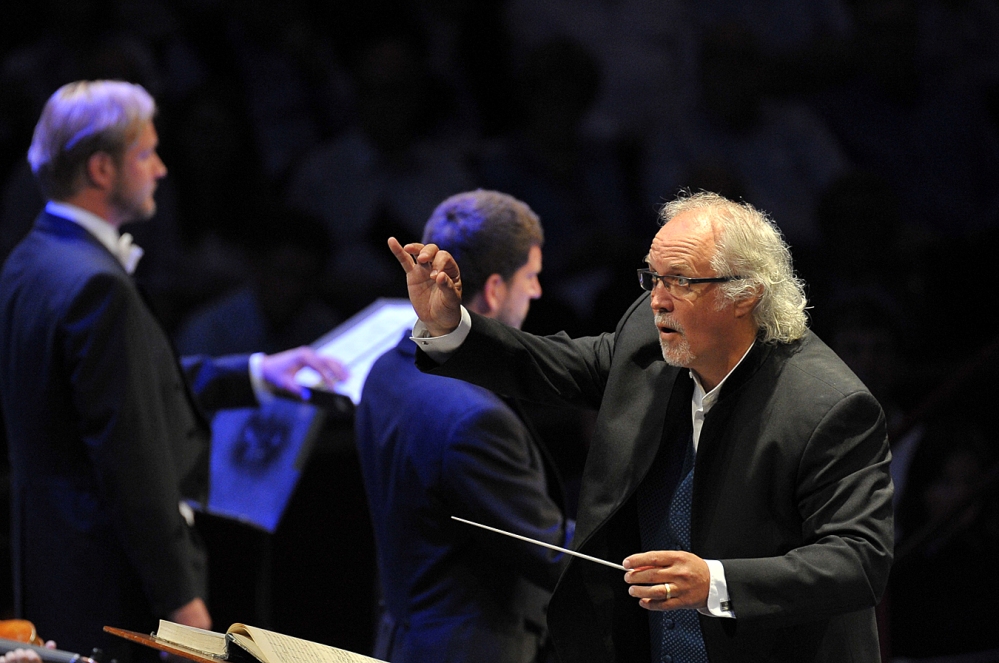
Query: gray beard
[[678, 355]]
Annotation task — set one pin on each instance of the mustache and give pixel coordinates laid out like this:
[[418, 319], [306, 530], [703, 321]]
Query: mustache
[[666, 320]]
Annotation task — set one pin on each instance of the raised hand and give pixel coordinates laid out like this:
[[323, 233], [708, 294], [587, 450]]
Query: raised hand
[[434, 284]]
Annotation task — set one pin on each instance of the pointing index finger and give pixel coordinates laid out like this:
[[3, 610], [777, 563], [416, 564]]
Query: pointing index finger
[[406, 255]]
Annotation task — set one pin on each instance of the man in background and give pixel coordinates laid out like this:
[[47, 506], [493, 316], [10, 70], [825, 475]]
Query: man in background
[[108, 446], [433, 447]]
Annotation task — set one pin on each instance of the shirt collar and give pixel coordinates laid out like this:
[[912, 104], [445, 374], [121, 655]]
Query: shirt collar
[[705, 401], [105, 233], [120, 245]]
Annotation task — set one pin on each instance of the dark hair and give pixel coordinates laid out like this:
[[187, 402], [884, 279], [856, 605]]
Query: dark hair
[[487, 232]]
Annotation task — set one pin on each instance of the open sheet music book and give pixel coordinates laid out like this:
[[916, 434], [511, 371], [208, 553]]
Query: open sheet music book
[[245, 643]]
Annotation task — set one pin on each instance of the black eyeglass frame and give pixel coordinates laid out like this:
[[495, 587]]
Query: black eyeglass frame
[[679, 281]]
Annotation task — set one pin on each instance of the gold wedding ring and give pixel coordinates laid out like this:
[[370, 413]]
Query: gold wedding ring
[[669, 592]]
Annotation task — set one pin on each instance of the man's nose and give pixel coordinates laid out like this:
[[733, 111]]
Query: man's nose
[[661, 300], [161, 169]]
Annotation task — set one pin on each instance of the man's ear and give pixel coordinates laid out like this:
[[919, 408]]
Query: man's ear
[[101, 170], [493, 294], [745, 306]]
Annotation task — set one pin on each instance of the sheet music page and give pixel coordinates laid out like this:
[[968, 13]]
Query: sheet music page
[[279, 648], [359, 341]]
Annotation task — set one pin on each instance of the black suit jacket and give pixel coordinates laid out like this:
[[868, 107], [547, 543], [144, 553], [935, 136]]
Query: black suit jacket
[[104, 441], [791, 489], [431, 448]]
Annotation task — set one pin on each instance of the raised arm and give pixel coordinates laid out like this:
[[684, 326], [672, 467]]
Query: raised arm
[[434, 284]]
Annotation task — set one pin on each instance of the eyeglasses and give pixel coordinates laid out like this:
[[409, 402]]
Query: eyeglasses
[[677, 284]]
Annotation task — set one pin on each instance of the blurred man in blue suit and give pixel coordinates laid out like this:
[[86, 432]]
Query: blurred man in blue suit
[[106, 432], [433, 447]]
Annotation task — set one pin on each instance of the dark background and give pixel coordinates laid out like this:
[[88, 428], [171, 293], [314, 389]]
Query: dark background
[[869, 129]]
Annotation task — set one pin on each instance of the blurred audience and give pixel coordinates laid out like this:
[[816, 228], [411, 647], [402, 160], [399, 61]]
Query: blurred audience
[[383, 175], [930, 137], [802, 45], [781, 154], [469, 53], [950, 514], [295, 91], [866, 334], [958, 42], [781, 25], [864, 247], [868, 129], [281, 305], [574, 182], [643, 47]]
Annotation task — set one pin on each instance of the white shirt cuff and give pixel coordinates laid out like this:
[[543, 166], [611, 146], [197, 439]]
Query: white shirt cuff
[[261, 389], [719, 604], [187, 512], [440, 348]]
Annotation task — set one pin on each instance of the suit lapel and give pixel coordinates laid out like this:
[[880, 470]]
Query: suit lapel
[[714, 421], [713, 458], [65, 230], [615, 469]]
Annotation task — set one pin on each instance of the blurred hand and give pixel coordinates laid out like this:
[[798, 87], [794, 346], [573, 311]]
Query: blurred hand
[[279, 369], [25, 655], [194, 613], [434, 284]]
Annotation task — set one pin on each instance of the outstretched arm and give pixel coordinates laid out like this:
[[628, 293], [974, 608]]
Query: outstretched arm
[[434, 284]]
